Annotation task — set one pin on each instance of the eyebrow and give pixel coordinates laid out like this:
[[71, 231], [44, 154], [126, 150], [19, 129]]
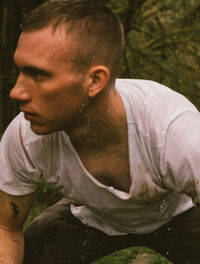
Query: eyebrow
[[32, 70]]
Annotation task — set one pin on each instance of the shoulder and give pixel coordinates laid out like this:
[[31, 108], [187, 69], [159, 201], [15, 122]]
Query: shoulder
[[11, 134], [26, 157], [157, 113], [21, 142], [151, 92], [17, 128], [153, 102]]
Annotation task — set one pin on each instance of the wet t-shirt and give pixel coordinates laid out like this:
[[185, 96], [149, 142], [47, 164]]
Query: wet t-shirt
[[164, 153]]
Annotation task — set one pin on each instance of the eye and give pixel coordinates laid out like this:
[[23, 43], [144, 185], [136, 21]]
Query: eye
[[36, 74]]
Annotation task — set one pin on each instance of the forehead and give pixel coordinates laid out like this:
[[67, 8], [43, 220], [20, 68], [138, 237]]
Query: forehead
[[44, 45]]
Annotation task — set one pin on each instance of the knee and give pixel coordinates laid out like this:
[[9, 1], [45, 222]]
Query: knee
[[45, 224], [42, 232]]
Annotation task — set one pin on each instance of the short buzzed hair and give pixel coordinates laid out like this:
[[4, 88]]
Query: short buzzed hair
[[97, 29]]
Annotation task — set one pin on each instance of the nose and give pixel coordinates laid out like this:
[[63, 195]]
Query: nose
[[20, 92]]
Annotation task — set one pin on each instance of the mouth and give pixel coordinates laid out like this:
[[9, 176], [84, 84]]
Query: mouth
[[28, 115]]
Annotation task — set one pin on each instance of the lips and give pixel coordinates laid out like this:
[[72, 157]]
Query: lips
[[28, 115]]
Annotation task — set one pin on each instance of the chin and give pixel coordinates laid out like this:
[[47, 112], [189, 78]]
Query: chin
[[40, 130]]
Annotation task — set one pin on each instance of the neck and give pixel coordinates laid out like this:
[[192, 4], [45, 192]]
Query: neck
[[103, 124]]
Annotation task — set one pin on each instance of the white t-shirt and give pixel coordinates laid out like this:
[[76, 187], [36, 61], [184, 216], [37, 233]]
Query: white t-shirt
[[164, 156]]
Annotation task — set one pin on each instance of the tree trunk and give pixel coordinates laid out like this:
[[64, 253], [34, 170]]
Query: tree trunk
[[11, 12]]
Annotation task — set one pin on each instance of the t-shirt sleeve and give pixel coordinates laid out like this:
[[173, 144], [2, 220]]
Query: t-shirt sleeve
[[180, 163], [18, 176]]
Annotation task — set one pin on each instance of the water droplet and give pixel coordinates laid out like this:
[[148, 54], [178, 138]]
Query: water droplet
[[169, 228], [85, 242]]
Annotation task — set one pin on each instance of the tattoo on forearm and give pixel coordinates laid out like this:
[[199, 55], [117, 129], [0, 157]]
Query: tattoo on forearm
[[15, 210]]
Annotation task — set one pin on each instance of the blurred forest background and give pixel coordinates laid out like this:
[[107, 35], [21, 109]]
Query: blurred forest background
[[162, 44]]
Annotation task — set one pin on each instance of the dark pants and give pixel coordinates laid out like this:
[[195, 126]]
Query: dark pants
[[57, 237]]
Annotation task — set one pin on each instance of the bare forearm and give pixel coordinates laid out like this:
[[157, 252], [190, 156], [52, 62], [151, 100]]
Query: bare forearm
[[11, 246]]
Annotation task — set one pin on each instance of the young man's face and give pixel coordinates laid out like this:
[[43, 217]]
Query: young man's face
[[50, 91]]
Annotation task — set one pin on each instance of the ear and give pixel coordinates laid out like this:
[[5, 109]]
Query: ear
[[98, 78]]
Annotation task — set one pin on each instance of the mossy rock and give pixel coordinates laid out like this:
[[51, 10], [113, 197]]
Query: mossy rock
[[133, 255]]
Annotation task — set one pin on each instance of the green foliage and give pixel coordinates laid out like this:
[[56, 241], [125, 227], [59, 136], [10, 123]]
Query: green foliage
[[48, 193], [162, 43]]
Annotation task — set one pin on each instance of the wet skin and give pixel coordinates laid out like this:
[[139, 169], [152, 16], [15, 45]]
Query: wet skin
[[50, 91]]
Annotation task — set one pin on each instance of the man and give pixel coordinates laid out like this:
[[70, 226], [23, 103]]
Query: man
[[124, 152]]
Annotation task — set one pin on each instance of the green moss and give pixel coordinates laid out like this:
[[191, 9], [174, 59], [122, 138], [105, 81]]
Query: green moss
[[133, 255]]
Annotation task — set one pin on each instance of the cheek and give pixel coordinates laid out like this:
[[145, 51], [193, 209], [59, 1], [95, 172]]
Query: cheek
[[71, 96], [62, 104], [62, 96]]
